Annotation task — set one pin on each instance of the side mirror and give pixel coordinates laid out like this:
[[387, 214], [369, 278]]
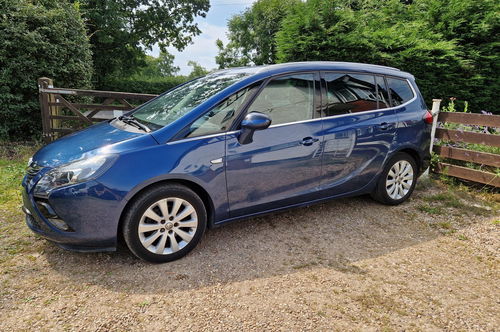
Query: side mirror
[[253, 121]]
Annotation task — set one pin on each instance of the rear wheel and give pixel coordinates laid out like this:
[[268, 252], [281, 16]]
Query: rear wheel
[[164, 223], [397, 181]]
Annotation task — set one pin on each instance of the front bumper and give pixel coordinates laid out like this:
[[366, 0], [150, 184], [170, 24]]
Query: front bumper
[[91, 211]]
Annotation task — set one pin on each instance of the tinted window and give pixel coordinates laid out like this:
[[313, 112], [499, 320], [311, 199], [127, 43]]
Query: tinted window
[[400, 91], [220, 117], [383, 96], [349, 93], [286, 99]]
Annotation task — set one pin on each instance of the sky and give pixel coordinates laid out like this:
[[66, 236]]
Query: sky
[[203, 49]]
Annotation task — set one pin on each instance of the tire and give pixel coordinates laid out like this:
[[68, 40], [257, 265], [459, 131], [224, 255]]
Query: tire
[[164, 223], [396, 183]]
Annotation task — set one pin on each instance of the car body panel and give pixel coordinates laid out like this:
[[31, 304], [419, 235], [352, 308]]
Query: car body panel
[[255, 171], [355, 148], [87, 142]]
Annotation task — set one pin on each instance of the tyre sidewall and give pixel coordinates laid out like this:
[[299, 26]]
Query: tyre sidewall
[[137, 209], [381, 191]]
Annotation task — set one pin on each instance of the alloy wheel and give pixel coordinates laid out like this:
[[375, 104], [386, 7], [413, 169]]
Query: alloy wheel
[[167, 226], [399, 180]]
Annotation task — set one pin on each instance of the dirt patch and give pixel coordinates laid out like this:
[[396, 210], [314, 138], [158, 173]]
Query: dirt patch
[[350, 264]]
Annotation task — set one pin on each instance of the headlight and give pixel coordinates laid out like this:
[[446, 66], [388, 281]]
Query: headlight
[[72, 173]]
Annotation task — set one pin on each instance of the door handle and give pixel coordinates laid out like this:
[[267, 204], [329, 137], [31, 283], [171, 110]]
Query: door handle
[[384, 126], [307, 141]]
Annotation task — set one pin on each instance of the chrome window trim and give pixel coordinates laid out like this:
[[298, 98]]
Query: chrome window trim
[[309, 120], [189, 139]]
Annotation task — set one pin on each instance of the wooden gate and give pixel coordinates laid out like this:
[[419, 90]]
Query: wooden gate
[[67, 110]]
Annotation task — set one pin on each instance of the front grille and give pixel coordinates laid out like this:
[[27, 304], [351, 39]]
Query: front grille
[[32, 170]]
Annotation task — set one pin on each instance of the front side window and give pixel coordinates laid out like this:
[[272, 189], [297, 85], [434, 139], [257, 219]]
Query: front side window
[[286, 99], [400, 91], [349, 93], [219, 118], [178, 102]]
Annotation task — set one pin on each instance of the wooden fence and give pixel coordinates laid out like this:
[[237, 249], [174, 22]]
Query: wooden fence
[[67, 110], [447, 152]]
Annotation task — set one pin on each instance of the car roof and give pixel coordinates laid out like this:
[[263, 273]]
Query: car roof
[[282, 68]]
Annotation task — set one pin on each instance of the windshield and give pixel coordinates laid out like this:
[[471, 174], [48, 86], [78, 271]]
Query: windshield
[[176, 103]]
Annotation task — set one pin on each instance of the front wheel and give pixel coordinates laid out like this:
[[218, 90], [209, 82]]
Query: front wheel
[[397, 181], [164, 223]]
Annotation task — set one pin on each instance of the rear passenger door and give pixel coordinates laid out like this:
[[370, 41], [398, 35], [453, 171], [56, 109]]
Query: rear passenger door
[[359, 128]]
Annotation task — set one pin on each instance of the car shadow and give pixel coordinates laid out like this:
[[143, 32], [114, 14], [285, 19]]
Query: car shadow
[[332, 235]]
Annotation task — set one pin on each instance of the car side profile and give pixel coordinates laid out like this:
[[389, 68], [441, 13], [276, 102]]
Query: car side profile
[[230, 145]]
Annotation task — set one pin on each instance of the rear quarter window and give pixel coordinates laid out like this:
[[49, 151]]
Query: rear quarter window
[[399, 90]]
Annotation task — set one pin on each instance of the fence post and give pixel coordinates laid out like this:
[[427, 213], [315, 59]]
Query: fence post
[[436, 103], [44, 83]]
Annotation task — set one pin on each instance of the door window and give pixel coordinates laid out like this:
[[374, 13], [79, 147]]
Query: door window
[[286, 99], [400, 91], [349, 93], [219, 118]]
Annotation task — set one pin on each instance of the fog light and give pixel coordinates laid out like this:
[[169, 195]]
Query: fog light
[[58, 223], [48, 212]]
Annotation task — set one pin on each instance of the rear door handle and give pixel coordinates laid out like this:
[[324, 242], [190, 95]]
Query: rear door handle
[[307, 141], [384, 126]]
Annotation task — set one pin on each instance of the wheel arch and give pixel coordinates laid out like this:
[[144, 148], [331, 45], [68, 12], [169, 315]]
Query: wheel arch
[[412, 152], [197, 188]]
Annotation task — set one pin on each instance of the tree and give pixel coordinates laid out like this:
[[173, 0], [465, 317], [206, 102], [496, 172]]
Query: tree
[[121, 30], [38, 38], [161, 66], [473, 25], [252, 34], [445, 44], [166, 64], [197, 71]]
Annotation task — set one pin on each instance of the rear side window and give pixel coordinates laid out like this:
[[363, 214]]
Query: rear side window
[[286, 99], [399, 90], [349, 93]]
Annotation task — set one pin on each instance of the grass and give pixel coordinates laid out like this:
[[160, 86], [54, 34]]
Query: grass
[[13, 238], [445, 225], [447, 199], [466, 199], [430, 209], [13, 163], [11, 175]]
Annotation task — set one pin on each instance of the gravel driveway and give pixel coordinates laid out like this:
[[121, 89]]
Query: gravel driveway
[[351, 264]]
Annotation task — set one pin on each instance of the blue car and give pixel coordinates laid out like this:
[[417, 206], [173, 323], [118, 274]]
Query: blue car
[[233, 144]]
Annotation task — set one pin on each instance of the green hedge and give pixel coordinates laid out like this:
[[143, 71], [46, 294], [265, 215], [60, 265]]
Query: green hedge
[[38, 38], [141, 85], [451, 46]]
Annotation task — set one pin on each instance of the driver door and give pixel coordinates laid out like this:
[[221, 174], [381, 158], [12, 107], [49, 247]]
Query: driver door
[[282, 166]]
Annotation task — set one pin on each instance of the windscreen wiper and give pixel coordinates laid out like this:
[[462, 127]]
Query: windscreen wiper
[[131, 120]]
